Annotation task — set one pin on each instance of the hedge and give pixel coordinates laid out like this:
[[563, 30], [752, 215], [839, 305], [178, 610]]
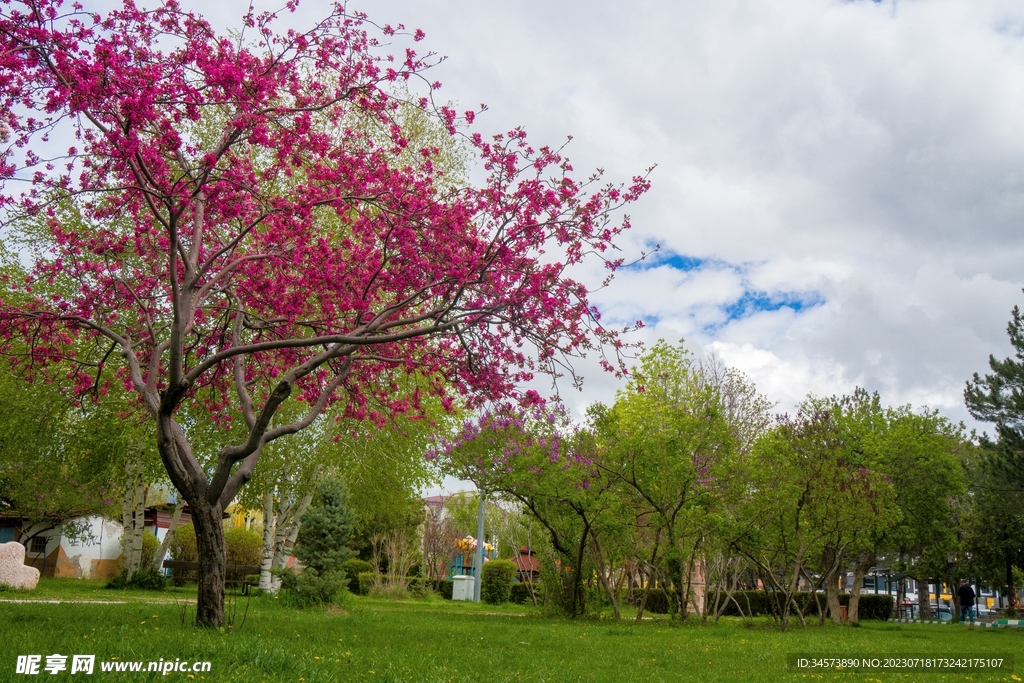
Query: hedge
[[757, 603], [445, 587], [417, 586], [362, 585], [353, 568], [657, 600], [242, 546], [521, 593], [498, 576]]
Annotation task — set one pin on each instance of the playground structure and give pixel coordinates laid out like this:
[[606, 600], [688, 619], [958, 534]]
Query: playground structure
[[463, 561]]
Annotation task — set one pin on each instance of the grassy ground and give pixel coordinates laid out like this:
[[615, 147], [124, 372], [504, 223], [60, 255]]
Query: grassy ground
[[89, 590], [435, 640]]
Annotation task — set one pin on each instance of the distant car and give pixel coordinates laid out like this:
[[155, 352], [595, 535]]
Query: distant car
[[944, 614]]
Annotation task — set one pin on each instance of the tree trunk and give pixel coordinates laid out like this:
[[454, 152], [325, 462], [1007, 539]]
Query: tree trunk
[[924, 600], [867, 561], [209, 526], [579, 606], [133, 516], [169, 536], [834, 563], [603, 571], [688, 585], [269, 529], [127, 514], [954, 584], [1011, 589], [286, 531], [791, 590], [832, 600]]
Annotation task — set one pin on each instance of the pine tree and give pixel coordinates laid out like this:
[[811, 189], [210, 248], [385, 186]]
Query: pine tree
[[999, 398], [326, 529]]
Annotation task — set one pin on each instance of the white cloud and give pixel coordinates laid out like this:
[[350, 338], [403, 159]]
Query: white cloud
[[785, 381]]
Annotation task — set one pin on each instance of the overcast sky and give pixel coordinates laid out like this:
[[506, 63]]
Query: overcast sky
[[839, 189]]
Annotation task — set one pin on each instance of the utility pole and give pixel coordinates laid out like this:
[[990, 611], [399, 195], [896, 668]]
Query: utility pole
[[479, 549]]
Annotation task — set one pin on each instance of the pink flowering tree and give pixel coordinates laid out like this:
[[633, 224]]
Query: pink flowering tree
[[225, 225]]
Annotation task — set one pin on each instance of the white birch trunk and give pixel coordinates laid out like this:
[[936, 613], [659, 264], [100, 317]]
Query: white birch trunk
[[269, 530], [287, 533], [161, 553], [133, 514]]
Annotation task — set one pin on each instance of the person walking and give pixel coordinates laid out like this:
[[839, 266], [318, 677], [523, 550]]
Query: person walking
[[966, 595]]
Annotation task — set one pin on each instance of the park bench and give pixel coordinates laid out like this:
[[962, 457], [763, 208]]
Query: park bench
[[236, 574]]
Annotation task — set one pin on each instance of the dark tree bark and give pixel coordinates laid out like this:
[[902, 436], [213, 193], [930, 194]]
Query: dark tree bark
[[833, 562], [924, 600], [208, 522], [864, 564], [1011, 589]]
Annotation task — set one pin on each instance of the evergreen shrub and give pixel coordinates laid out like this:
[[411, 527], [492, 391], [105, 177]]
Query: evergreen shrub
[[146, 578], [326, 530], [445, 587], [353, 568], [309, 588], [657, 601], [498, 576]]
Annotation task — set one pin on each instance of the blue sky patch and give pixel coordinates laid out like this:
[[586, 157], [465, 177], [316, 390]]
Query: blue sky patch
[[665, 257], [680, 262], [755, 302], [752, 301]]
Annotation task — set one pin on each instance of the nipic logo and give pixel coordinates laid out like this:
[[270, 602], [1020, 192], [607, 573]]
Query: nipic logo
[[55, 663], [33, 665]]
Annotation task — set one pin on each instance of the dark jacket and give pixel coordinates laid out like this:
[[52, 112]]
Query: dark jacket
[[966, 595]]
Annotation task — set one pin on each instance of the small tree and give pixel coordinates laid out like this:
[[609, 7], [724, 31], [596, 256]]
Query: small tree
[[438, 543], [326, 530]]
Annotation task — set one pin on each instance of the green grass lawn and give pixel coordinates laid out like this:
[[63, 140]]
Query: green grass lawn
[[435, 640], [81, 589]]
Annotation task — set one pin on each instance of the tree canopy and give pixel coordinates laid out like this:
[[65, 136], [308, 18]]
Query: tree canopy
[[221, 235]]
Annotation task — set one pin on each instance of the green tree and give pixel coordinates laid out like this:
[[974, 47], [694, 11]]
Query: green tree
[[326, 529], [669, 442], [808, 497], [59, 459], [917, 453], [998, 398], [998, 476], [993, 542]]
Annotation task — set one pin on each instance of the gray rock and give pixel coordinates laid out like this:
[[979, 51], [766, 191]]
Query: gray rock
[[13, 570]]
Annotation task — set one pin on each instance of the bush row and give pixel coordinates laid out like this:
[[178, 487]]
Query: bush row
[[499, 584], [242, 546], [760, 603], [521, 593]]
